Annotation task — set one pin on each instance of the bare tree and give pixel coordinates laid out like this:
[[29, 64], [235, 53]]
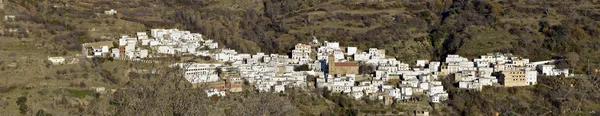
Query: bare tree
[[572, 58], [168, 95], [263, 104]]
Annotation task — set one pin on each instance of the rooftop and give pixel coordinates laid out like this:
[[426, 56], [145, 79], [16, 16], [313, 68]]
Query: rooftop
[[346, 64], [100, 44]]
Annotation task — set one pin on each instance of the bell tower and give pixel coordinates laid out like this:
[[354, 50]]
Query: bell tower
[[330, 63]]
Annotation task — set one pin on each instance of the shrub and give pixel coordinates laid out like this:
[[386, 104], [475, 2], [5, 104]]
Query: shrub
[[80, 93], [303, 67], [41, 112], [108, 75], [22, 102], [44, 91]]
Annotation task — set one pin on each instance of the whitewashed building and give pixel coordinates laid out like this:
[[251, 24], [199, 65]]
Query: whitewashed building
[[301, 54], [456, 58], [214, 92], [166, 50], [199, 73], [57, 60], [351, 50], [110, 12], [551, 70]]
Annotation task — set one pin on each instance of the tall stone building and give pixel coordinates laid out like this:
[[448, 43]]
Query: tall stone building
[[513, 78], [520, 77], [341, 67]]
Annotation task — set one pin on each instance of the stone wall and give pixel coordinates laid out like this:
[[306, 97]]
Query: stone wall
[[343, 70]]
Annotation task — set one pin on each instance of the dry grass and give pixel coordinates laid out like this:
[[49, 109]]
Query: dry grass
[[16, 48]]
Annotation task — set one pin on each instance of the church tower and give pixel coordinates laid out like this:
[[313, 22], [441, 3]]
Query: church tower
[[330, 63]]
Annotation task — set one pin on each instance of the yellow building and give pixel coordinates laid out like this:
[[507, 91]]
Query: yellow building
[[341, 67], [512, 78]]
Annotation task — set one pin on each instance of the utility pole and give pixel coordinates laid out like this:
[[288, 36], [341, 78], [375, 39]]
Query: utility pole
[[588, 68]]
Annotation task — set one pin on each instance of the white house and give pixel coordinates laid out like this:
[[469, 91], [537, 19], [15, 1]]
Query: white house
[[262, 87], [154, 43], [314, 41], [110, 12], [362, 56], [421, 63], [198, 73], [122, 41], [482, 64], [98, 48], [210, 44], [351, 50], [466, 75], [99, 89], [434, 66], [9, 17], [437, 98], [469, 85], [130, 48], [226, 55], [335, 45], [102, 50], [279, 88], [116, 52], [453, 67], [403, 67], [57, 60], [394, 92], [487, 81], [356, 94], [301, 54], [455, 58], [551, 70], [145, 42], [485, 72], [424, 85], [141, 35], [214, 92], [531, 77], [165, 50], [142, 53], [435, 88], [376, 53], [406, 90]]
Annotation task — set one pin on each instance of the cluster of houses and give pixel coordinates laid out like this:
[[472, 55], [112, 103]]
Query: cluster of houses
[[160, 43], [329, 67]]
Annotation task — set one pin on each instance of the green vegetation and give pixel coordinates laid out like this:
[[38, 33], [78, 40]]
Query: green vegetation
[[22, 102], [81, 93], [4, 89]]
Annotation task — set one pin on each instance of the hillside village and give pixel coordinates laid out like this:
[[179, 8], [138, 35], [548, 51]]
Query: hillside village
[[322, 65], [297, 57]]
